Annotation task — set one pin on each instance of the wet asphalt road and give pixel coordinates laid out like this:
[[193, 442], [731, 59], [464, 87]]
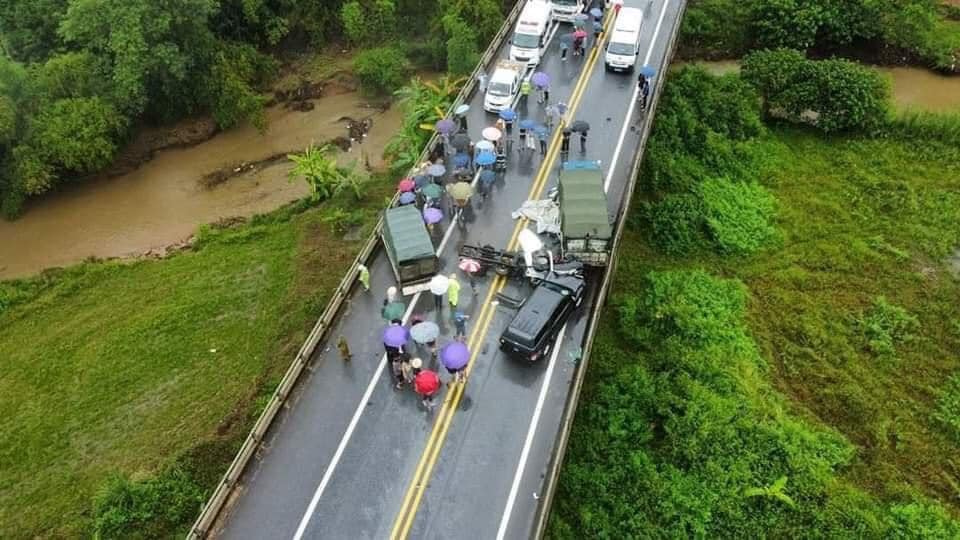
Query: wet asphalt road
[[469, 486]]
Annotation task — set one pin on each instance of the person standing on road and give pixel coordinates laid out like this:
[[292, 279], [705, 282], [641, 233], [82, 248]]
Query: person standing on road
[[565, 144], [363, 274], [344, 348], [546, 94], [597, 30], [542, 135], [563, 51], [644, 84], [460, 321], [482, 80], [453, 292], [525, 88], [438, 302], [583, 141], [391, 294]]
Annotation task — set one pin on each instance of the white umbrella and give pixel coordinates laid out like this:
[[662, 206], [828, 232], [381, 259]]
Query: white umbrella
[[491, 133], [439, 284]]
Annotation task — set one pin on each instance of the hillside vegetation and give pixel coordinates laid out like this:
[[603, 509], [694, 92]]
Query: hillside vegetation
[[779, 358]]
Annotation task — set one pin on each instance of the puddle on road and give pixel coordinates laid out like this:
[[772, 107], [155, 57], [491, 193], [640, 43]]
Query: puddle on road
[[162, 202]]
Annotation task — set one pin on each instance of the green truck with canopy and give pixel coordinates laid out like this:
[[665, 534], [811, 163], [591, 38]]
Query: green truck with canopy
[[409, 248], [585, 229]]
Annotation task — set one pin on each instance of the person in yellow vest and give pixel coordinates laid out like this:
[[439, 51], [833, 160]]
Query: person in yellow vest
[[453, 293], [525, 89]]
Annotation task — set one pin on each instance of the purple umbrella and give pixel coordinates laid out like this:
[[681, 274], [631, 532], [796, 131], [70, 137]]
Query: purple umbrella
[[396, 336], [540, 79], [436, 170], [454, 355], [407, 198], [445, 126], [432, 215]]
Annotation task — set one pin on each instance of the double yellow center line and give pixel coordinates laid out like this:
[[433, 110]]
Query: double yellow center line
[[421, 476]]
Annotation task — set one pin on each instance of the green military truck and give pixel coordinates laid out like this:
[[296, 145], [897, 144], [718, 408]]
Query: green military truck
[[585, 229], [409, 248]]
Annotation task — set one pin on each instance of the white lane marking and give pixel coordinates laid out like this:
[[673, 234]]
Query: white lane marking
[[633, 101], [528, 443]]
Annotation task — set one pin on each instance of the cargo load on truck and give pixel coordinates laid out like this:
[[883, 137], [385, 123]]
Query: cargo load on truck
[[585, 229], [409, 248]]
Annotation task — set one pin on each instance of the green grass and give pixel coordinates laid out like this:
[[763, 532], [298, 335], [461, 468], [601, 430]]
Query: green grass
[[860, 219], [126, 367]]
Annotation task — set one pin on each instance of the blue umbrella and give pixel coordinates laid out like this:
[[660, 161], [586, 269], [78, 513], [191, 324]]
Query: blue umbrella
[[420, 180], [461, 160], [432, 215], [436, 170], [395, 336], [425, 332], [596, 12], [455, 355], [462, 110], [486, 158], [527, 124], [487, 176], [540, 79], [541, 129], [648, 71], [407, 197], [508, 114]]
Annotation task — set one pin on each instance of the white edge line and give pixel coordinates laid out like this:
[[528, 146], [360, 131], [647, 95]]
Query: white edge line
[[633, 101], [528, 443]]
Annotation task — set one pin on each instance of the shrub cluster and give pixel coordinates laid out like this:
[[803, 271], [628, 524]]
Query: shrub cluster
[[381, 70]]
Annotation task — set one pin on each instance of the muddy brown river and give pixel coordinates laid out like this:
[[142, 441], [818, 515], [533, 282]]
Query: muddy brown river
[[163, 202]]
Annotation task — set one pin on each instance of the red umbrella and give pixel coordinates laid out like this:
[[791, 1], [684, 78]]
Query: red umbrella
[[426, 383], [580, 33], [407, 184]]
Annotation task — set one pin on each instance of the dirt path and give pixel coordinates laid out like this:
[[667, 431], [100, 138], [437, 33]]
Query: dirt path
[[163, 201]]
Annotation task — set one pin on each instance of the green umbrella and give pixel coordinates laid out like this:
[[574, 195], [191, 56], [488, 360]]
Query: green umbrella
[[432, 191], [460, 191], [394, 310]]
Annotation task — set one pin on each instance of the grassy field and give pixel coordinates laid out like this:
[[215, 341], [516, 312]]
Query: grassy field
[[126, 367], [860, 219]]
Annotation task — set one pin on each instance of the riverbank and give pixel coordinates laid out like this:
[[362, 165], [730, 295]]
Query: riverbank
[[162, 202]]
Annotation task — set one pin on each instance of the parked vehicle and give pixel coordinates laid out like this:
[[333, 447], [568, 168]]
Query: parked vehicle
[[585, 229], [530, 35], [503, 86], [623, 48], [533, 262], [566, 10], [409, 248], [533, 329]]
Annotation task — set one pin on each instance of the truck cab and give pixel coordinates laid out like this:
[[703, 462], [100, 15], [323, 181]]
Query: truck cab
[[566, 10], [585, 229], [409, 248], [530, 34], [503, 86]]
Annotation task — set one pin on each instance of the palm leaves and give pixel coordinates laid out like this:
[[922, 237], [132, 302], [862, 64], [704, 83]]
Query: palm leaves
[[321, 172], [773, 491], [424, 103]]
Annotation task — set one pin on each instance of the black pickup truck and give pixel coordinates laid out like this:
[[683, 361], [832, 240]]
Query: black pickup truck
[[531, 333]]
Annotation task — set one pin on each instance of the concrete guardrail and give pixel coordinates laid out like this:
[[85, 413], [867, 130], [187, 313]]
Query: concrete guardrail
[[573, 398], [221, 495]]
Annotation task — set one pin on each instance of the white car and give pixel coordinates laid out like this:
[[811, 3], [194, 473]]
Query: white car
[[503, 86]]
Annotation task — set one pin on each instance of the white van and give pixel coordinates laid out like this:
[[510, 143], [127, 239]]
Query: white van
[[503, 86], [566, 10], [624, 44], [530, 34]]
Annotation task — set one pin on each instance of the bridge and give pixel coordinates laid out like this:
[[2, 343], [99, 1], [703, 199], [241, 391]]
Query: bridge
[[341, 454]]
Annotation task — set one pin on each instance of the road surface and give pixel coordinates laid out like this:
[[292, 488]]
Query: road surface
[[351, 457]]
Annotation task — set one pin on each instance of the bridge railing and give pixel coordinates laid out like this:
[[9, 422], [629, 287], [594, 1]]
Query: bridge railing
[[222, 494], [573, 398]]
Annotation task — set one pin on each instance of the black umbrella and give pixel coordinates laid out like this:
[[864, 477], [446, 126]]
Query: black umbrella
[[580, 125], [460, 141], [567, 131]]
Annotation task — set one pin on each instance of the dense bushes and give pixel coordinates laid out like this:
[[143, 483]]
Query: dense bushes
[[834, 95], [381, 70], [948, 408], [146, 509]]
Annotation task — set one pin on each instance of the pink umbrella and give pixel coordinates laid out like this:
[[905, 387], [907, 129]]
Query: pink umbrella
[[469, 265], [407, 184], [580, 33]]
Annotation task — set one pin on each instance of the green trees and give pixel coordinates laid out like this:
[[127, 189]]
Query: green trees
[[369, 22], [834, 95], [381, 69]]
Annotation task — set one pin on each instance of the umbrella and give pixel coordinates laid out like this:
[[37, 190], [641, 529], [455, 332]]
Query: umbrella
[[580, 125], [462, 110], [432, 191], [487, 176], [491, 133], [460, 190], [407, 184], [540, 79], [407, 197], [469, 265], [527, 124], [541, 130], [648, 71], [486, 158], [420, 180], [484, 146], [566, 39], [454, 355], [580, 19], [579, 33], [396, 336], [394, 310], [461, 160], [436, 170], [432, 215], [596, 12], [425, 332], [439, 284], [426, 383], [508, 114], [460, 141], [445, 126]]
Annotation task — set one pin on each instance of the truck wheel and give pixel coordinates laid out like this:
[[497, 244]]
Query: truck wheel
[[502, 270]]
